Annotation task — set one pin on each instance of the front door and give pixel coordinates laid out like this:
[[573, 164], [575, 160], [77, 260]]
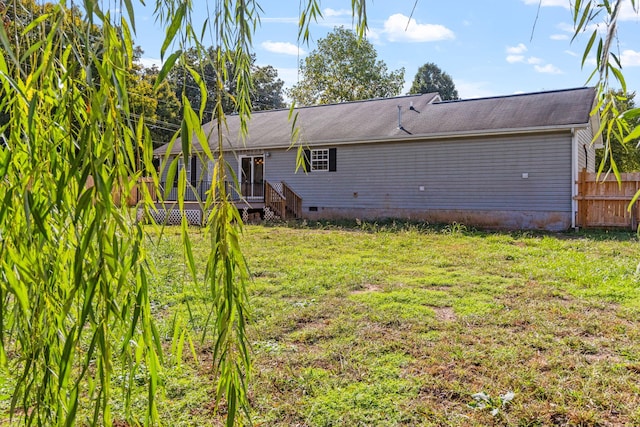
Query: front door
[[252, 177]]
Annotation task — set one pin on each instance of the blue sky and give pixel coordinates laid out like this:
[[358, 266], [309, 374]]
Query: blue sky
[[488, 47]]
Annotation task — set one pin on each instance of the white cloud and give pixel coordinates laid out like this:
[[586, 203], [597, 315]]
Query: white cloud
[[284, 48], [627, 13], [547, 69], [532, 60], [567, 28], [512, 59], [570, 29], [630, 58], [328, 12], [468, 90], [601, 27], [515, 55], [559, 37], [150, 62], [516, 50], [373, 35], [397, 30], [546, 3], [570, 53]]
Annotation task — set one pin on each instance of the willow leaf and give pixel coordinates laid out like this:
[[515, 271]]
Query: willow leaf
[[173, 28], [166, 67], [634, 134]]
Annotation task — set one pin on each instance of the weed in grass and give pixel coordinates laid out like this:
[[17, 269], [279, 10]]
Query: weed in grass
[[494, 405], [454, 228]]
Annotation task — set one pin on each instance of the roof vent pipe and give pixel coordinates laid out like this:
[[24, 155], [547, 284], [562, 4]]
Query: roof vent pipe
[[399, 117]]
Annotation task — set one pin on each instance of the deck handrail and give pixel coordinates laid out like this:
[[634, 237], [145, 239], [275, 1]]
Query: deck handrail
[[196, 193], [274, 200], [293, 201], [285, 203]]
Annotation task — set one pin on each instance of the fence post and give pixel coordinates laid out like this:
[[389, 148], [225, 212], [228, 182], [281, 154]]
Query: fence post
[[581, 202]]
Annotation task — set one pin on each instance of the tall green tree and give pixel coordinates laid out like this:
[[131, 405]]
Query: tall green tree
[[159, 105], [167, 118], [18, 15], [430, 78], [622, 156], [266, 91], [344, 67], [618, 115]]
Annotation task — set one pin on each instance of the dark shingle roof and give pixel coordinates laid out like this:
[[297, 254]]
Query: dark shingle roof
[[377, 119]]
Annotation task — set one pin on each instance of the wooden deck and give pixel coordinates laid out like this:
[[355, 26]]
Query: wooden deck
[[279, 201], [196, 206]]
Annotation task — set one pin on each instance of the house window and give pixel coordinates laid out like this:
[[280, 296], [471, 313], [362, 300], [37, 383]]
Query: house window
[[320, 160], [210, 167], [183, 165]]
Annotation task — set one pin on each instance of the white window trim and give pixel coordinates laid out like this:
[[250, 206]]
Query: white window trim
[[182, 164], [210, 167], [319, 155]]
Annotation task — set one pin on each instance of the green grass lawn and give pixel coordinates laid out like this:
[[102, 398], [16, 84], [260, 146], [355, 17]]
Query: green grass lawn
[[402, 325]]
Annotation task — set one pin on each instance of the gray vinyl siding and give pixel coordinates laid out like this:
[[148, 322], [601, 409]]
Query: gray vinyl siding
[[586, 150], [476, 174], [163, 176]]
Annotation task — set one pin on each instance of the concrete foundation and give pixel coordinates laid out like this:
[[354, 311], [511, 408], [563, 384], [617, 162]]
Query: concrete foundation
[[504, 220]]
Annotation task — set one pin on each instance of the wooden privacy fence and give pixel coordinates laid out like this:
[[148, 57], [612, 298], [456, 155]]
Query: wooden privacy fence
[[136, 193], [604, 202]]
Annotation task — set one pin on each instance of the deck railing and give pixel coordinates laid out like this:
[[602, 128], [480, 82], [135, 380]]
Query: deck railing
[[196, 192], [275, 200], [281, 199], [293, 202]]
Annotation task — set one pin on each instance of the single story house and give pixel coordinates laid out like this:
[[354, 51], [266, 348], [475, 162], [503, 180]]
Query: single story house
[[500, 162]]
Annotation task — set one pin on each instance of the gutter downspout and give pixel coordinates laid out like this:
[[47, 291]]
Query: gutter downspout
[[574, 178]]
